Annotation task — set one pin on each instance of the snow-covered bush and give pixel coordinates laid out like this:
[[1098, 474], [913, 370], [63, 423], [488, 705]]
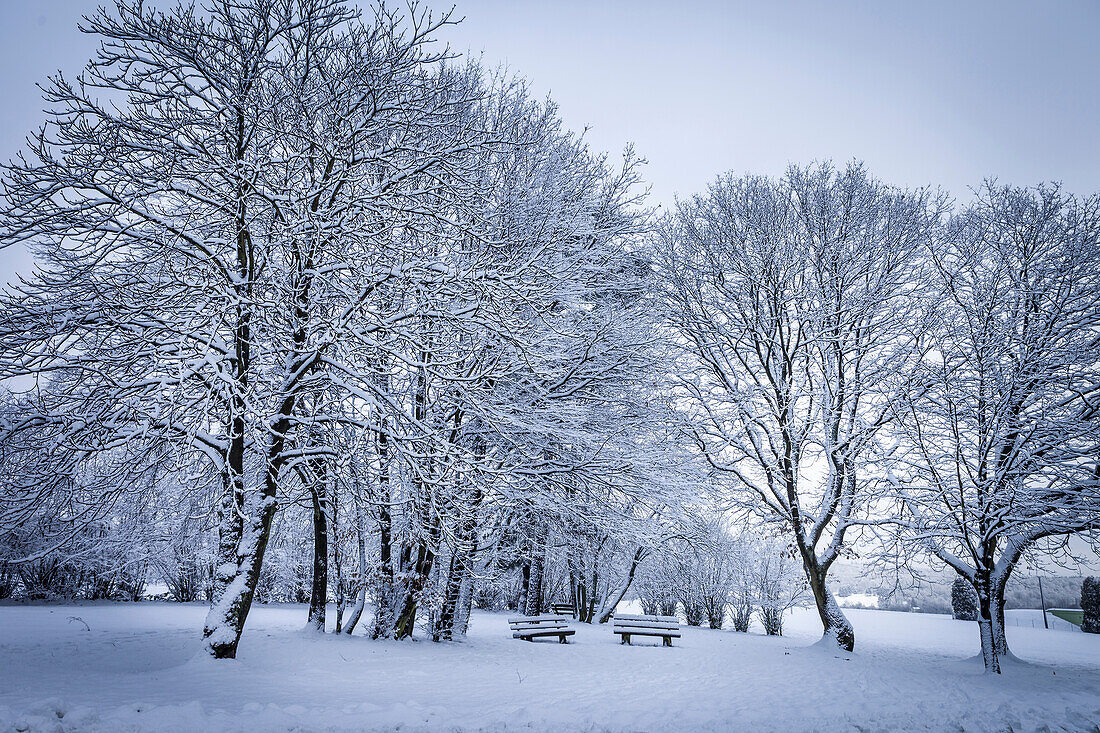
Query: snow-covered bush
[[496, 586], [723, 575], [7, 580], [51, 578], [186, 579], [1090, 605], [964, 601], [694, 614], [95, 562], [655, 600], [741, 610], [780, 583], [772, 620], [698, 575]]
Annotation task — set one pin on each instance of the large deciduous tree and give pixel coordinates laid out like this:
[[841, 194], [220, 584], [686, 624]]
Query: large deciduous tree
[[1004, 434], [795, 301]]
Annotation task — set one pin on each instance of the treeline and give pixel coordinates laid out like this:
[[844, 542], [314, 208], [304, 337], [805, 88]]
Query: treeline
[[1059, 591]]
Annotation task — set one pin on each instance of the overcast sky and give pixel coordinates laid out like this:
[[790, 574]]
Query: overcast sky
[[940, 93]]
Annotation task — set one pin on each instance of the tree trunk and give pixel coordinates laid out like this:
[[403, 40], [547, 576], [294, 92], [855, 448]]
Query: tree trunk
[[534, 590], [573, 585], [465, 605], [364, 572], [385, 592], [997, 603], [429, 519], [318, 596], [592, 580], [525, 587], [452, 588], [466, 590], [422, 569], [613, 600], [406, 620], [226, 619], [986, 624], [240, 548], [223, 621], [460, 567], [835, 623], [337, 561], [237, 578], [1000, 640], [356, 612]]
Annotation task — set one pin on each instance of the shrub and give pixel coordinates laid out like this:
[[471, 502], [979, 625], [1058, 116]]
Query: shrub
[[772, 620], [693, 613], [964, 601], [1090, 605], [741, 613], [716, 614]]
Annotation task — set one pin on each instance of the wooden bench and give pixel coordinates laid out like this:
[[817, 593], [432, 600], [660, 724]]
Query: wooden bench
[[530, 627], [562, 608], [666, 627]]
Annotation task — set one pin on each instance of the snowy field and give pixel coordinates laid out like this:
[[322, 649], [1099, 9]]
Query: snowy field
[[136, 668]]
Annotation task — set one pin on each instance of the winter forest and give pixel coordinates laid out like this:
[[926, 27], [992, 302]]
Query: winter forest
[[333, 326]]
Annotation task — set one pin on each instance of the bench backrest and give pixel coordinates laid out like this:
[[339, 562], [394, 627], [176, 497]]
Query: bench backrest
[[546, 620], [646, 617], [670, 623]]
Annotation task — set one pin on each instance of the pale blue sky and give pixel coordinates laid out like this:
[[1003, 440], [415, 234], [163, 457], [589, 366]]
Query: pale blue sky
[[936, 92]]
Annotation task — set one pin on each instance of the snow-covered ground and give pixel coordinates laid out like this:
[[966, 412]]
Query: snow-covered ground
[[134, 667]]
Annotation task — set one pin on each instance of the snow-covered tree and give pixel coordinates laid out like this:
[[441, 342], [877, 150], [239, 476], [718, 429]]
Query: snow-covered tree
[[796, 306], [204, 248], [1003, 433]]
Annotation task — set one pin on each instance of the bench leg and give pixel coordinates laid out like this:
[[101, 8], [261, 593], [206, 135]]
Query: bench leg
[[626, 639], [668, 640], [563, 639]]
